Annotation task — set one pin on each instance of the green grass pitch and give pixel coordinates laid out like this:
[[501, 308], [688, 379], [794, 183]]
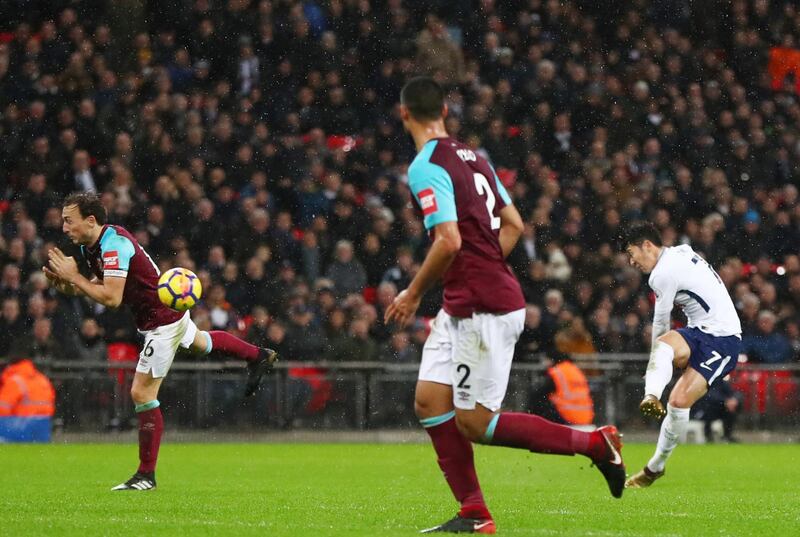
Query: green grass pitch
[[361, 489]]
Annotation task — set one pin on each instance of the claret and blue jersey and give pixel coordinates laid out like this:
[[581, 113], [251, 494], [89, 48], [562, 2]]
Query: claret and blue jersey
[[117, 254], [453, 184]]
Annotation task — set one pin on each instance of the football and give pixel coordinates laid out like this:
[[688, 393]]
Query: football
[[179, 289]]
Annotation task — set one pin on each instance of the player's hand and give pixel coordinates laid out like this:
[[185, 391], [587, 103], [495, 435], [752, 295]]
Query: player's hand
[[64, 267], [50, 275], [57, 283], [403, 309]]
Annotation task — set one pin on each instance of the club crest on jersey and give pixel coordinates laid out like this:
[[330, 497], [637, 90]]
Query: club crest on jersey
[[111, 260], [427, 200]]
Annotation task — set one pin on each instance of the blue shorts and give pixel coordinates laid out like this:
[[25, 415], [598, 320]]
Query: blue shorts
[[711, 356]]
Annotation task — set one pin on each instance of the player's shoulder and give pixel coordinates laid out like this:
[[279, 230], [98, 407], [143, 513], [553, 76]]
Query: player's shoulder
[[117, 238], [422, 168], [666, 267]]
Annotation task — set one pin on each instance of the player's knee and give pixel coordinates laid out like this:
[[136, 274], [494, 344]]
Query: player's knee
[[138, 395], [471, 428], [142, 394], [680, 400], [679, 347], [422, 408]]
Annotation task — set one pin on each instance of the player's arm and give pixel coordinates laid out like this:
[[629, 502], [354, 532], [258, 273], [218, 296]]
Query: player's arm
[[511, 224], [109, 291], [60, 285], [511, 227], [665, 288], [432, 187], [445, 248]]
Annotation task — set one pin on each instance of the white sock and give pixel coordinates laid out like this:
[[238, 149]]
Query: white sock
[[659, 369], [673, 426]]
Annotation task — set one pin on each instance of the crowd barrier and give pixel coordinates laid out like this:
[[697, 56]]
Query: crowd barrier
[[94, 396]]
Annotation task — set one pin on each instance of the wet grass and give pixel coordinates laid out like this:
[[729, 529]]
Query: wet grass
[[316, 489]]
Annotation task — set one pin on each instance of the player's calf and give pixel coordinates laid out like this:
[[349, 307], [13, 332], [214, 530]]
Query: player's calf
[[473, 424]]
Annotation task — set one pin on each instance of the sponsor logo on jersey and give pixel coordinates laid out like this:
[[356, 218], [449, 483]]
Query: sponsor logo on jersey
[[462, 395], [427, 200], [111, 260]]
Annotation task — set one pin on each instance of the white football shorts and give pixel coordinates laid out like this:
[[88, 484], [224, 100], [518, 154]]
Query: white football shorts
[[161, 344], [473, 355]]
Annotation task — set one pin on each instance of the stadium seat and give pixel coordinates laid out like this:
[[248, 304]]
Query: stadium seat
[[120, 353]]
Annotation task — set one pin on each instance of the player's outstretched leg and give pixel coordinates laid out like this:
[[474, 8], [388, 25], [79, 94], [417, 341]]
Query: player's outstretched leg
[[690, 387], [151, 427], [259, 360], [673, 426], [455, 458], [532, 432]]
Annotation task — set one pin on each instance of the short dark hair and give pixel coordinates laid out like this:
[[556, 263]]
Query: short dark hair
[[88, 204], [423, 97], [639, 232]]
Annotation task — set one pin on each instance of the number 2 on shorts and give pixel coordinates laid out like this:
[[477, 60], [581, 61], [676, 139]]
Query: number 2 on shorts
[[465, 369]]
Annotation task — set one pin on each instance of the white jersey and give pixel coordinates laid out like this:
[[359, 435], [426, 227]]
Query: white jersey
[[682, 277]]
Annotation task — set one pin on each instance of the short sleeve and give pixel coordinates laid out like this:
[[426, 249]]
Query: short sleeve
[[665, 288], [117, 252], [432, 187]]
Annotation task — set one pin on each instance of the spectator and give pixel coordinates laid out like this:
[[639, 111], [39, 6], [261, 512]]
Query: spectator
[[563, 393], [12, 324], [305, 339], [205, 142], [81, 177], [437, 55], [258, 332], [27, 403], [721, 402], [91, 347], [575, 338], [766, 345], [398, 349], [346, 272], [535, 338], [42, 346]]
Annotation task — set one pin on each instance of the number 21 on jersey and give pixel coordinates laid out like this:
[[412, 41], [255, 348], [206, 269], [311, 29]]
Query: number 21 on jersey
[[483, 188]]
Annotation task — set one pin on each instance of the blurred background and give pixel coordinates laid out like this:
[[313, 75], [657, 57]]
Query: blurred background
[[258, 144]]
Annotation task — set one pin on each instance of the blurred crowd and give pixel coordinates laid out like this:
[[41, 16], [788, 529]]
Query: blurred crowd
[[258, 143]]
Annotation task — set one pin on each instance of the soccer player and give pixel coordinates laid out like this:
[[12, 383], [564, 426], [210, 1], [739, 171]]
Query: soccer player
[[707, 349], [125, 274], [466, 359]]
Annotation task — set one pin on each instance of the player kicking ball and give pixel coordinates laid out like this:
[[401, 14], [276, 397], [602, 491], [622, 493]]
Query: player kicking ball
[[709, 345], [466, 360], [125, 274]]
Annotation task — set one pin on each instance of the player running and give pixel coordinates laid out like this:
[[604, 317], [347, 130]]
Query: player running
[[125, 274], [466, 360], [709, 345]]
